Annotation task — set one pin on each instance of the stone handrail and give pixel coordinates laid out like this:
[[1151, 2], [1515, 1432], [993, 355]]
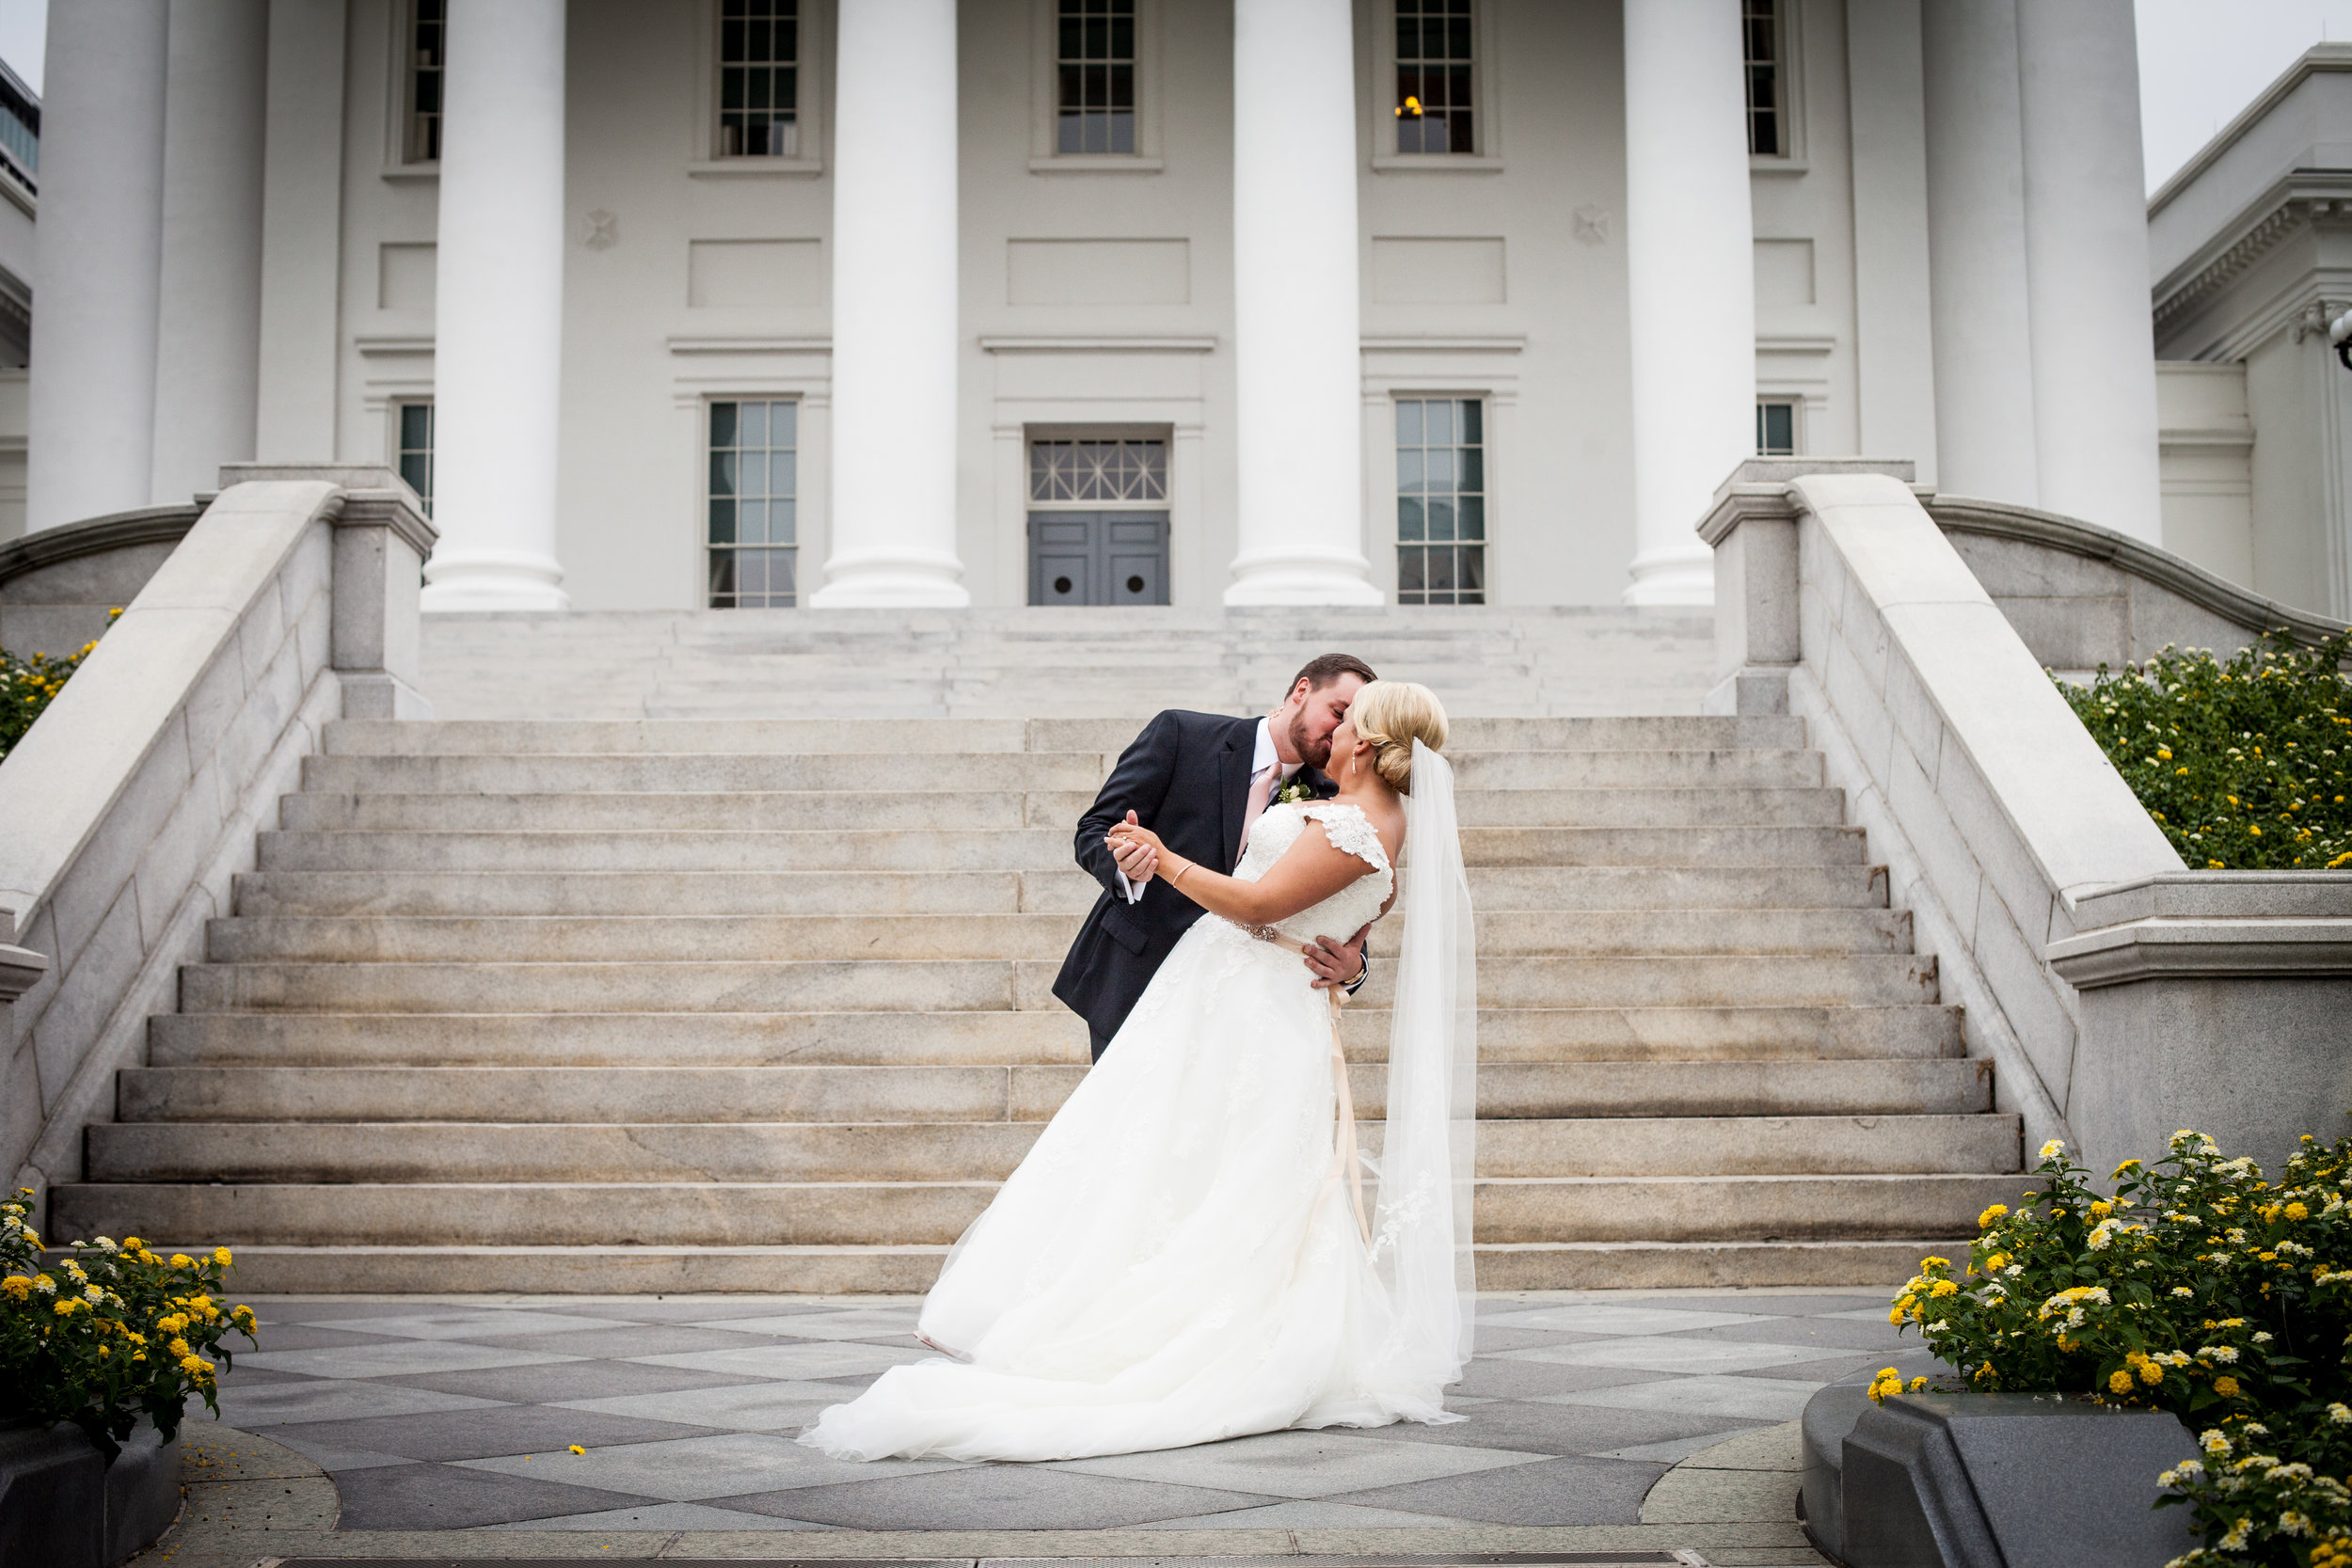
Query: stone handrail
[[57, 585], [126, 809], [2116, 990]]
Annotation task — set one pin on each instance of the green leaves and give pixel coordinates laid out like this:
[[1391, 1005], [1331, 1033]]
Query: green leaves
[[2245, 765]]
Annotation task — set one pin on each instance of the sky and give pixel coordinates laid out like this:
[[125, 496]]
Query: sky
[[2201, 61]]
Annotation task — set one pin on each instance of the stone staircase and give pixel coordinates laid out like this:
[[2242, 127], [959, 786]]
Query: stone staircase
[[684, 1004]]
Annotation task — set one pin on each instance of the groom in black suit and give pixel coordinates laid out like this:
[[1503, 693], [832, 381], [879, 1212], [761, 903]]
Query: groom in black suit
[[1197, 779]]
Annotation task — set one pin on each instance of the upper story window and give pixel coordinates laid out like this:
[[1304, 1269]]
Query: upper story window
[[1775, 427], [413, 455], [1764, 41], [760, 79], [755, 483], [1094, 61], [428, 21], [1440, 500], [1434, 111], [19, 130]]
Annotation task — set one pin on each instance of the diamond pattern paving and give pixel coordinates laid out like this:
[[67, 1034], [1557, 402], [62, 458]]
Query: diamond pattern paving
[[436, 1414]]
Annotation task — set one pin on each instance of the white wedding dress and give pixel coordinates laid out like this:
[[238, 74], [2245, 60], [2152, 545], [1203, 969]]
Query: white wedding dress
[[1178, 1260]]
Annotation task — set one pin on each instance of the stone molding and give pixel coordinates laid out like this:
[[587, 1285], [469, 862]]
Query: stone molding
[[150, 525]]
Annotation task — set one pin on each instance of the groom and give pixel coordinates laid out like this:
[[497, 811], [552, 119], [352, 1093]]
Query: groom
[[1199, 781]]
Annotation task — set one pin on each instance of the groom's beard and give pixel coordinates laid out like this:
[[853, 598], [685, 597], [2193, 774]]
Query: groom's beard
[[1314, 753]]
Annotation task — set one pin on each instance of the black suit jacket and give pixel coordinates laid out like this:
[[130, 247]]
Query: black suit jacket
[[1187, 778]]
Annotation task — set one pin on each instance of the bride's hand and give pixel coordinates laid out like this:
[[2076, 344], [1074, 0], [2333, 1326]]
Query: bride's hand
[[1134, 833]]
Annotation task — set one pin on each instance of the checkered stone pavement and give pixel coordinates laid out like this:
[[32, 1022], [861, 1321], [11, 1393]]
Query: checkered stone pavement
[[450, 1414]]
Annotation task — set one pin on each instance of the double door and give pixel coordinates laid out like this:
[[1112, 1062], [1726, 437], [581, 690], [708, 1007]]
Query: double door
[[1097, 557]]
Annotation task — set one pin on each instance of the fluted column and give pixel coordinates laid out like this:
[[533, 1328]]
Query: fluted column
[[499, 318], [91, 430], [1297, 324], [1984, 399], [894, 308], [209, 310], [2094, 372], [1690, 285]]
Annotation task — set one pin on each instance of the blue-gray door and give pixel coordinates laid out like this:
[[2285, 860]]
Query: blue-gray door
[[1097, 557]]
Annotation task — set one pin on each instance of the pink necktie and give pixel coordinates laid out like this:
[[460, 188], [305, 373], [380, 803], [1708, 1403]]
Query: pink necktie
[[1260, 791]]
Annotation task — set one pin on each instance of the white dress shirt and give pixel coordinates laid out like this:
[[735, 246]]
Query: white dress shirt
[[1261, 757]]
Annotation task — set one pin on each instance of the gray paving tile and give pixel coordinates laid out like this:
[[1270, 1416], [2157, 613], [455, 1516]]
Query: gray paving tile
[[1875, 1313], [327, 1310], [1835, 1370], [696, 1469], [1524, 1379], [499, 1429], [1614, 1318], [1297, 1464], [308, 1337], [276, 1404], [1561, 1430], [557, 1381], [1555, 1492], [1672, 1451], [468, 1322], [875, 1323], [657, 1516], [997, 1496], [1832, 1333], [789, 1361], [1494, 1338], [242, 1373], [393, 1358], [627, 1341], [736, 1407], [1665, 1354], [448, 1496], [329, 1456], [1747, 1398], [685, 1309], [1303, 1515]]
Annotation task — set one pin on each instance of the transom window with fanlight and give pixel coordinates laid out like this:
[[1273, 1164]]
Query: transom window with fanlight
[[1098, 518], [752, 516], [760, 79], [1440, 500]]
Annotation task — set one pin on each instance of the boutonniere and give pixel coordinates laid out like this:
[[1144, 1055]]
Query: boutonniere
[[1294, 791]]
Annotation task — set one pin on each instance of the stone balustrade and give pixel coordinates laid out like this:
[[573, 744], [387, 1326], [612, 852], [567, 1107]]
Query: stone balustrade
[[125, 811], [2121, 994]]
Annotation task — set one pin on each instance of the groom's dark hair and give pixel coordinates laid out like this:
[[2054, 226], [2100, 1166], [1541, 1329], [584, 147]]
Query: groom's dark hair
[[1322, 670]]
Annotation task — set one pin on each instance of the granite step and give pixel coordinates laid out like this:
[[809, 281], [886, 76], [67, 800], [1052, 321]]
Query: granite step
[[972, 1149], [935, 1093], [963, 984], [1793, 1037], [735, 938]]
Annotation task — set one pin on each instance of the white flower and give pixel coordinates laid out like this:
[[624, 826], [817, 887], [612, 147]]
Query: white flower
[[2183, 1291], [2292, 1523], [105, 1244], [2055, 1147], [2341, 1414], [2235, 1236], [2261, 1337], [2186, 1469], [45, 1284], [2013, 1270], [2213, 1440], [93, 1293], [2235, 1541], [2219, 1352]]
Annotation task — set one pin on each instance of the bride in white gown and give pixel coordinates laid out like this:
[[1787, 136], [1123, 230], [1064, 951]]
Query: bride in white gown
[[1186, 1254]]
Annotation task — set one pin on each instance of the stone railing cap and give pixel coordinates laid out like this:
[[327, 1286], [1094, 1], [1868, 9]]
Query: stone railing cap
[[374, 494]]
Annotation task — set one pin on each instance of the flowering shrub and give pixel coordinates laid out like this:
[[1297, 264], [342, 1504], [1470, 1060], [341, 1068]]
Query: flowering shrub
[[28, 684], [2198, 1289], [2245, 765], [112, 1334]]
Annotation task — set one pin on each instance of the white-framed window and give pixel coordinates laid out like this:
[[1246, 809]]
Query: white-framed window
[[1764, 44], [760, 79], [751, 506], [1094, 77], [412, 447], [1779, 426], [1436, 107], [423, 28], [1442, 533], [1098, 515]]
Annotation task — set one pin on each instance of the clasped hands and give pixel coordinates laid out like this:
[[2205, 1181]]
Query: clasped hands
[[1136, 850]]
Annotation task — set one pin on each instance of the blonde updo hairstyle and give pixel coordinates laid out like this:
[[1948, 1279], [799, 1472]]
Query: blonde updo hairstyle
[[1392, 715]]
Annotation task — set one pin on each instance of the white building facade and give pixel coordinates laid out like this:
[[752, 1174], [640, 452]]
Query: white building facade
[[765, 303]]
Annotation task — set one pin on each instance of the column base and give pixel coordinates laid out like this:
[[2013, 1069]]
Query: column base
[[1683, 575], [492, 579], [1302, 577], [900, 579]]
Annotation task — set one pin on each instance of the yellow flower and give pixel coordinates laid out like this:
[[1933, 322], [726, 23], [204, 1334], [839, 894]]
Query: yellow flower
[[2055, 1147], [132, 1243], [576, 1449], [2298, 1212], [1984, 1221], [196, 1367], [2252, 829], [1902, 1310], [2119, 1382], [1998, 1261], [2101, 1208], [67, 1307], [2151, 1373], [2163, 753], [1944, 1288], [16, 1287], [220, 1256], [181, 1261], [180, 1347], [2226, 1386]]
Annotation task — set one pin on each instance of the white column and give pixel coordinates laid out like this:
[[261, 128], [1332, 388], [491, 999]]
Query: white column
[[1690, 284], [1297, 326], [498, 333], [1984, 405], [894, 308], [209, 310], [2094, 359], [91, 430]]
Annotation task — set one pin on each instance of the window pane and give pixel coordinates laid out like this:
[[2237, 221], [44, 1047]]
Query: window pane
[[723, 473], [1409, 422], [721, 521], [1408, 472], [1408, 517], [754, 425], [1473, 582], [1441, 518], [1473, 419], [723, 424], [1474, 469], [1411, 574], [1440, 565], [1470, 514]]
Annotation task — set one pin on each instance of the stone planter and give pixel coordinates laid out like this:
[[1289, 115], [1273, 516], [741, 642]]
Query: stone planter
[[62, 1506], [1989, 1480]]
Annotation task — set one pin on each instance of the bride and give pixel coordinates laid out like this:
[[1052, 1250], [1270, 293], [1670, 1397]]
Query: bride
[[1186, 1255]]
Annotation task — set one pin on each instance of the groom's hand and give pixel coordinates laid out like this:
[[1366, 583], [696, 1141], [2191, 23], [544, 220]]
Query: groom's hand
[[1136, 861], [1337, 963]]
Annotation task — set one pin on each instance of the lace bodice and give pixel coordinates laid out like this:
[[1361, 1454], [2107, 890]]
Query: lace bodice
[[1352, 908]]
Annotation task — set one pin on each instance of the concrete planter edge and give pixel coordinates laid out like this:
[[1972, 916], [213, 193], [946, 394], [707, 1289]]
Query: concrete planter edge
[[62, 1506]]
